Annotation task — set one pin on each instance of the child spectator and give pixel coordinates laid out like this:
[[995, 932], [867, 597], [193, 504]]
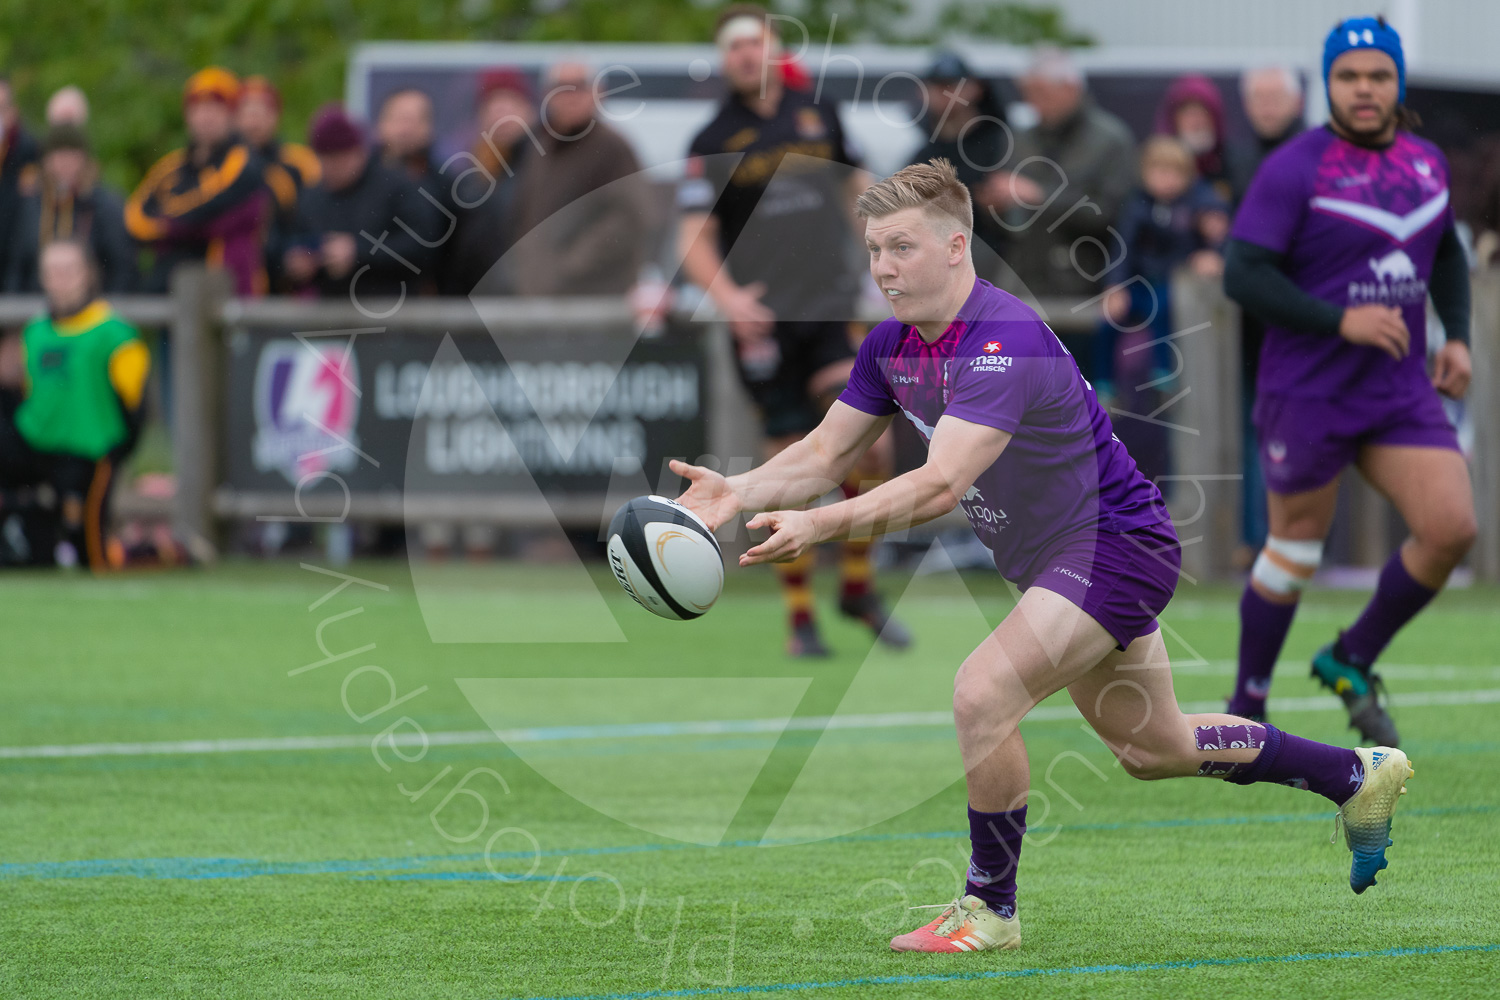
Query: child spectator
[[85, 376], [1175, 218]]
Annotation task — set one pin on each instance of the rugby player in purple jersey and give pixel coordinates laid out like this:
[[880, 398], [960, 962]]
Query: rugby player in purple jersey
[[1017, 439], [1343, 234]]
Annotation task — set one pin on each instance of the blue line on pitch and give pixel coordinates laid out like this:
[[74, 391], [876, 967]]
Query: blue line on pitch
[[1072, 970], [214, 868], [501, 877]]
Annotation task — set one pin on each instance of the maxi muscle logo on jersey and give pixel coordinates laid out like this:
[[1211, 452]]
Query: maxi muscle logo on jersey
[[991, 360]]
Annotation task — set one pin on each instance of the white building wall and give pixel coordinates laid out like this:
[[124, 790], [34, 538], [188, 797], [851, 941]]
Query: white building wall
[[1455, 39]]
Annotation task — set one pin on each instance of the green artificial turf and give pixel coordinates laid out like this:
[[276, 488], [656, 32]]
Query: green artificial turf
[[316, 871]]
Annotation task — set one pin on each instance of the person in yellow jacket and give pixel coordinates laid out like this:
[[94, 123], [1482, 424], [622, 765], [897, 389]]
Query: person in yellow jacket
[[85, 377], [206, 202]]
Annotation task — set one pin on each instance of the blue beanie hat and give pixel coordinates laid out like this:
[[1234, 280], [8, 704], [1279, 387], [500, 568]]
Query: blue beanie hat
[[1365, 33]]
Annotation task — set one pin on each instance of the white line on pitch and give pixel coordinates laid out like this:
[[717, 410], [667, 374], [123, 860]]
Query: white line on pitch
[[720, 727]]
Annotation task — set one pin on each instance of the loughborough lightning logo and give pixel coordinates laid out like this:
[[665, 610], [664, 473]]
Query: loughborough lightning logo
[[305, 409]]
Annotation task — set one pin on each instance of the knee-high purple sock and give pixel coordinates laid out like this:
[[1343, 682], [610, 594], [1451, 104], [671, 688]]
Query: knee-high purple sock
[[1263, 629], [996, 841], [1333, 772], [1397, 600]]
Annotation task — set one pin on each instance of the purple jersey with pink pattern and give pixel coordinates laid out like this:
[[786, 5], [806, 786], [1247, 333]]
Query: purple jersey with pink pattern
[[1357, 226], [1063, 475]]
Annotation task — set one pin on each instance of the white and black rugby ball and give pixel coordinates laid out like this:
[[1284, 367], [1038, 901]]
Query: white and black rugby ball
[[665, 557]]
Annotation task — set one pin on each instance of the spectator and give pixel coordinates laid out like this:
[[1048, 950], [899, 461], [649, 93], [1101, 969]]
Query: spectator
[[1193, 111], [326, 253], [288, 168], [483, 194], [1081, 152], [581, 200], [1487, 213], [85, 378], [767, 201], [1174, 218], [965, 125], [70, 202], [1272, 96], [1273, 102], [19, 154], [206, 202], [403, 131], [68, 106]]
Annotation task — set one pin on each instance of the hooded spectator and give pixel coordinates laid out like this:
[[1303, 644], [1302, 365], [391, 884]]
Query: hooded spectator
[[581, 200], [206, 202], [1193, 111], [483, 184], [71, 203], [965, 125], [19, 154], [327, 252], [1272, 96], [1075, 151]]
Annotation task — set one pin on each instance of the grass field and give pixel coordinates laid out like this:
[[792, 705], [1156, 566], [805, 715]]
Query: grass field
[[186, 813]]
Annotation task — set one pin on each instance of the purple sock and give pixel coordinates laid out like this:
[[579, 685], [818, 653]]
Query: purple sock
[[1397, 600], [1263, 629], [1333, 772], [996, 840]]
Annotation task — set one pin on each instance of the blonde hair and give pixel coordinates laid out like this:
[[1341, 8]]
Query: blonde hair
[[932, 186], [1169, 151]]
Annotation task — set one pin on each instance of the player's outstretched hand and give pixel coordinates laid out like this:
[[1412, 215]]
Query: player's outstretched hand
[[1452, 370], [1377, 326], [792, 534], [708, 495]]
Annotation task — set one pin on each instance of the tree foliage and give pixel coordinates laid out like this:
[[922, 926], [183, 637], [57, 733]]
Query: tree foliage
[[132, 56]]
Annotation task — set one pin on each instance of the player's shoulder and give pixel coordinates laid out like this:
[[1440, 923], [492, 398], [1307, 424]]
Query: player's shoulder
[[36, 326], [1302, 151], [1422, 148], [884, 338], [994, 315]]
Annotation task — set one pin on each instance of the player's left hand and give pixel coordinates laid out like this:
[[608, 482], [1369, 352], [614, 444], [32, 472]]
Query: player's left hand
[[792, 533], [1452, 370]]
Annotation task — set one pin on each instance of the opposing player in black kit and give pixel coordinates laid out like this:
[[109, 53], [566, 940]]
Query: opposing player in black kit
[[766, 204]]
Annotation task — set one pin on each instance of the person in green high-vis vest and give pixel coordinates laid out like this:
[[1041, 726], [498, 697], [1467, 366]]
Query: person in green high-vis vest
[[85, 375]]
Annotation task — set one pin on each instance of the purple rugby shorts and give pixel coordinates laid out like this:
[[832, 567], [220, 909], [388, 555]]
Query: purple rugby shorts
[[1122, 581], [1305, 443]]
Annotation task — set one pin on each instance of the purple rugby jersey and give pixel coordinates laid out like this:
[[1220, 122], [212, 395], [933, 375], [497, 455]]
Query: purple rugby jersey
[[1064, 473], [1357, 226]]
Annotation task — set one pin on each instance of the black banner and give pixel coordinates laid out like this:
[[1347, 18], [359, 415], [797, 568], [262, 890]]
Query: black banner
[[394, 411]]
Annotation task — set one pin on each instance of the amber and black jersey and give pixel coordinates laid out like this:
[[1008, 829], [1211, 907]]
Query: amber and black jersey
[[778, 189]]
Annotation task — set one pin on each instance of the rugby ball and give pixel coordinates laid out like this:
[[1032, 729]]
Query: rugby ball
[[665, 557]]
